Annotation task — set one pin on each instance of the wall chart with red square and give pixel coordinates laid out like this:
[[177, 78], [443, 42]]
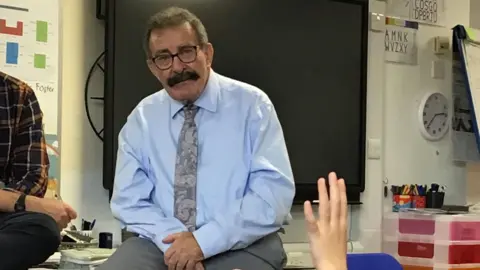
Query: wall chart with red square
[[30, 51]]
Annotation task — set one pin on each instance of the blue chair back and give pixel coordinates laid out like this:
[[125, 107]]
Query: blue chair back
[[372, 261]]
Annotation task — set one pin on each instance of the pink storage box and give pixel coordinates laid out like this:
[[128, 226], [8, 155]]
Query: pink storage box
[[439, 252], [433, 227], [426, 264]]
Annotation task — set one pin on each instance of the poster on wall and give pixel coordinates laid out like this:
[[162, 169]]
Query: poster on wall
[[422, 11], [463, 134], [29, 51], [401, 41]]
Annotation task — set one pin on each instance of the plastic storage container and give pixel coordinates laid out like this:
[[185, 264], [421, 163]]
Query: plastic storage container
[[425, 264], [432, 227], [439, 252]]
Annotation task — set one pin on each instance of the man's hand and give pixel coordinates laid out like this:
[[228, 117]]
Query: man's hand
[[61, 212], [328, 234], [184, 253]]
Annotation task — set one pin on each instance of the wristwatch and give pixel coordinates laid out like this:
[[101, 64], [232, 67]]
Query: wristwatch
[[20, 203]]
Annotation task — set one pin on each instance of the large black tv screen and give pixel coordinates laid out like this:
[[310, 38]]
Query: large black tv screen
[[308, 56]]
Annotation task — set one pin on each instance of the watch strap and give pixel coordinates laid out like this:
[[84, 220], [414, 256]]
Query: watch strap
[[20, 203]]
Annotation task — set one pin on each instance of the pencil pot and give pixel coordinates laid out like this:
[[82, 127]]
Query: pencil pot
[[401, 201], [419, 201], [435, 199]]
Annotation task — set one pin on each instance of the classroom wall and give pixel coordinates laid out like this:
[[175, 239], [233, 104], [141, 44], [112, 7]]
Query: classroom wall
[[393, 93], [81, 151], [408, 157], [473, 183], [475, 10], [473, 176]]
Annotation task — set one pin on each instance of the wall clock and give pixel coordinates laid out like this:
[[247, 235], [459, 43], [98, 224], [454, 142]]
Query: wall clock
[[94, 95], [434, 116]]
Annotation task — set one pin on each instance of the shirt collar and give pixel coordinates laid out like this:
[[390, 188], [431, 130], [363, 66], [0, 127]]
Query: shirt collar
[[207, 100]]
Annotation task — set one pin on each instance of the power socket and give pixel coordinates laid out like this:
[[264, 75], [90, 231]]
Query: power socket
[[438, 69], [374, 149], [441, 45], [377, 22]]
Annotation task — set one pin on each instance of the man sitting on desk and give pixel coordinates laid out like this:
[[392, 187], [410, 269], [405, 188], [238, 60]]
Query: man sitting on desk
[[29, 224], [203, 175]]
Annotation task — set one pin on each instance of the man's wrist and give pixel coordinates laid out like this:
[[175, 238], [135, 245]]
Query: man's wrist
[[8, 200], [332, 266], [211, 239], [32, 203], [200, 251]]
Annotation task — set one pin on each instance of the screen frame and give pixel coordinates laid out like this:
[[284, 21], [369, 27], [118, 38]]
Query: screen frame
[[304, 191]]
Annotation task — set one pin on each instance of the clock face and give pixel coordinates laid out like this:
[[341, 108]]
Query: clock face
[[435, 116]]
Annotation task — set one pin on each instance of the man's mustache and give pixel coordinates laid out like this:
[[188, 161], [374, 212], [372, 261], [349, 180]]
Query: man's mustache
[[182, 76]]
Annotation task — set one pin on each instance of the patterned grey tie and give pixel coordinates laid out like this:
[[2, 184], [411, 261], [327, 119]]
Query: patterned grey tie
[[185, 186]]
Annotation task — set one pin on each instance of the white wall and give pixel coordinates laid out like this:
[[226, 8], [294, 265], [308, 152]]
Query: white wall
[[475, 13], [81, 152], [473, 177], [408, 157], [393, 94]]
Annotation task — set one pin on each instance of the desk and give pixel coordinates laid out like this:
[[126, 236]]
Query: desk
[[51, 263]]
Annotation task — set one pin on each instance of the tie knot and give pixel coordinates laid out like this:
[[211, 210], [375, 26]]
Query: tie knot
[[190, 110]]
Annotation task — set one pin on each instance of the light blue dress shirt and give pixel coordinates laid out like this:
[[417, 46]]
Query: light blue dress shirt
[[245, 184]]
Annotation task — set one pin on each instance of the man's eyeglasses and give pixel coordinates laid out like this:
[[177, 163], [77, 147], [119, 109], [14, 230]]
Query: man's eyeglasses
[[186, 54]]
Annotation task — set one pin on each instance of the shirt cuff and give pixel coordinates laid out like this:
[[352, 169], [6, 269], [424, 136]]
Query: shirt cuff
[[158, 240], [212, 239]]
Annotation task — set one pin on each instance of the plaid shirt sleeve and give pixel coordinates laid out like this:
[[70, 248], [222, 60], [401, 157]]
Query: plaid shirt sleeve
[[30, 162]]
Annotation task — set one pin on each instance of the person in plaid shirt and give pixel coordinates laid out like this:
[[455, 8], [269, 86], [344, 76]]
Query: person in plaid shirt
[[29, 224]]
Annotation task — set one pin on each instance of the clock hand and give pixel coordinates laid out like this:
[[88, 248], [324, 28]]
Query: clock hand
[[433, 118], [431, 121]]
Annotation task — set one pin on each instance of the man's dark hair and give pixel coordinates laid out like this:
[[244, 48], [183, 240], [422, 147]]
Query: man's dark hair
[[172, 17]]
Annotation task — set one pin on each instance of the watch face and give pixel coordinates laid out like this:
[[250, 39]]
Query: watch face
[[435, 115], [19, 208]]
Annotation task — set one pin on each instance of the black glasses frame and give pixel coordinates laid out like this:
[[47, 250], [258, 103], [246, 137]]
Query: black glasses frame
[[172, 56]]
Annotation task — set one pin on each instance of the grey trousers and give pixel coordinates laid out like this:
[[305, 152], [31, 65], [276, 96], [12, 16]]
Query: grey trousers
[[141, 254]]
